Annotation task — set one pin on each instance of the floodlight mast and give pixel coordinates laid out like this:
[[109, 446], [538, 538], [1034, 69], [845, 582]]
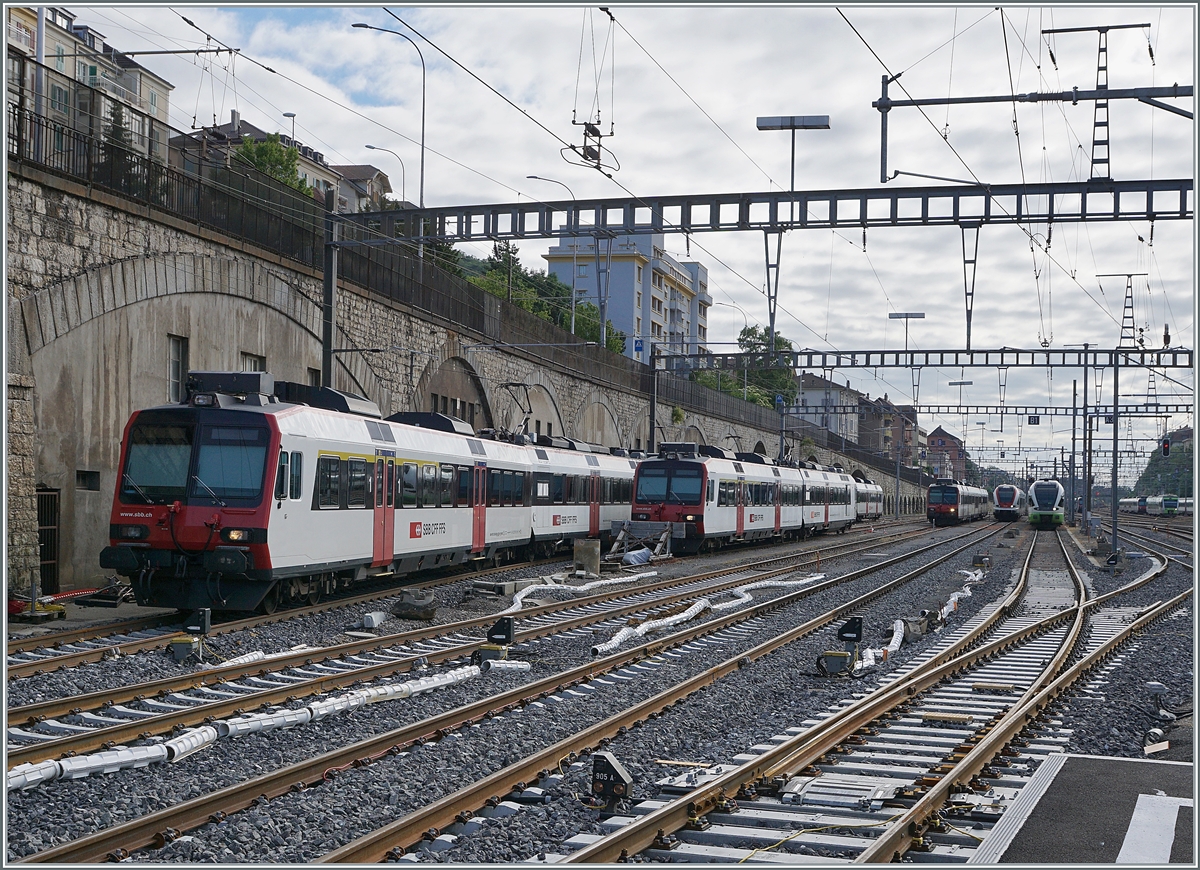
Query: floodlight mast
[[793, 123]]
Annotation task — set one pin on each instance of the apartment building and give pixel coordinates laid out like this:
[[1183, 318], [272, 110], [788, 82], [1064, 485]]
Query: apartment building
[[652, 297], [83, 78], [946, 454], [824, 402]]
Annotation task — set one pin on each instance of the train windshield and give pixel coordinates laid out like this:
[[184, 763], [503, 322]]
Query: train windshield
[[669, 484], [230, 462], [1045, 494], [1170, 501], [943, 495], [156, 467]]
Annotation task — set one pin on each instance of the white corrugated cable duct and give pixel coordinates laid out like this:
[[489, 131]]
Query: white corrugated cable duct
[[25, 776], [741, 598], [550, 583]]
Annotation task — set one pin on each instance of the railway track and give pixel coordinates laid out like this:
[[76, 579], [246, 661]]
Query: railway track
[[64, 649], [164, 826], [105, 719], [923, 768]]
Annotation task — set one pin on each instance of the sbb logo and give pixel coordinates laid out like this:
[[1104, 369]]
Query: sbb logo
[[414, 530], [558, 519]]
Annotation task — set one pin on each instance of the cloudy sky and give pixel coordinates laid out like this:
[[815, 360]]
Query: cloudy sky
[[680, 87]]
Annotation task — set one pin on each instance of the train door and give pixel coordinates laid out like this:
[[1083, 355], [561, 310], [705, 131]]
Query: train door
[[479, 507], [594, 505], [741, 508], [385, 512]]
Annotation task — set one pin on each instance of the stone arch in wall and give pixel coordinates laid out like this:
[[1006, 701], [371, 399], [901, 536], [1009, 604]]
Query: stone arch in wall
[[692, 432], [597, 422], [759, 447], [58, 309], [452, 386]]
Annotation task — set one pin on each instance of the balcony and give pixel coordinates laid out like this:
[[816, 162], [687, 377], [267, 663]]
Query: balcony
[[19, 34]]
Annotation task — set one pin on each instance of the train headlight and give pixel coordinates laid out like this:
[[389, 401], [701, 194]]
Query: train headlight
[[204, 399], [236, 535], [133, 533]]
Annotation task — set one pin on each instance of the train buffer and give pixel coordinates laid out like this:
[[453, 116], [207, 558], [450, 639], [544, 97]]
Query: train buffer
[[633, 535]]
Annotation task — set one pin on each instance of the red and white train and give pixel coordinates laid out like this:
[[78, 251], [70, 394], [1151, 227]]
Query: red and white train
[[1010, 502], [712, 497], [250, 493], [950, 502]]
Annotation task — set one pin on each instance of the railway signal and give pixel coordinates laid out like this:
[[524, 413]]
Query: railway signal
[[1166, 446]]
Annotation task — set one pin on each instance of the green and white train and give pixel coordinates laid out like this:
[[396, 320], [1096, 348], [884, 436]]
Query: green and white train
[[1047, 504]]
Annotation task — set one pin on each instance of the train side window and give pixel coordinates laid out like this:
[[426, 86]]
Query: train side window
[[281, 475], [357, 496], [297, 475], [446, 486], [520, 489], [463, 498], [391, 483], [429, 486], [379, 487], [408, 480], [328, 482], [493, 496], [506, 488], [568, 490], [558, 489]]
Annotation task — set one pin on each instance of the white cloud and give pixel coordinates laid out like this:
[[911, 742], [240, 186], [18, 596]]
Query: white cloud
[[737, 63]]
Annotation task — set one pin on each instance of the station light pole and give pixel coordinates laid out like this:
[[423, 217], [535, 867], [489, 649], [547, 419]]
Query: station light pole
[[792, 123], [574, 245], [745, 368], [906, 316], [403, 185], [292, 115]]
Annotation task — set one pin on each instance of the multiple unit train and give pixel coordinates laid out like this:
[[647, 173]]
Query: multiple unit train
[[712, 497], [950, 502], [1010, 502], [250, 493], [1047, 504], [1156, 505]]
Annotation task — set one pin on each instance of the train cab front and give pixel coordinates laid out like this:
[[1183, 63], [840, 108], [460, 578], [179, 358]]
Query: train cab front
[[672, 491], [189, 518]]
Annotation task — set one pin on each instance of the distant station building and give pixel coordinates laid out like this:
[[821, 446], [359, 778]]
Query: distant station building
[[947, 454], [652, 297]]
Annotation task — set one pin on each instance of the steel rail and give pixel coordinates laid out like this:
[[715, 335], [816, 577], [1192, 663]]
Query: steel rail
[[114, 735], [17, 670], [57, 707], [409, 829], [49, 664], [90, 632], [890, 845], [809, 746], [158, 828]]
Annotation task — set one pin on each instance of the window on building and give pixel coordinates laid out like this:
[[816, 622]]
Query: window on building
[[60, 58], [638, 329], [582, 270], [89, 480], [177, 367], [314, 377], [59, 99], [639, 298], [253, 362], [639, 280], [154, 102], [433, 402]]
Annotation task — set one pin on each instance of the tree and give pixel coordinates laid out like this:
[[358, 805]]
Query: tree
[[115, 165], [271, 158], [1168, 475], [758, 385]]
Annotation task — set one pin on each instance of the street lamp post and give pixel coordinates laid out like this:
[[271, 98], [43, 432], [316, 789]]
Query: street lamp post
[[574, 246], [745, 368], [403, 194], [981, 424], [292, 115], [421, 194]]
